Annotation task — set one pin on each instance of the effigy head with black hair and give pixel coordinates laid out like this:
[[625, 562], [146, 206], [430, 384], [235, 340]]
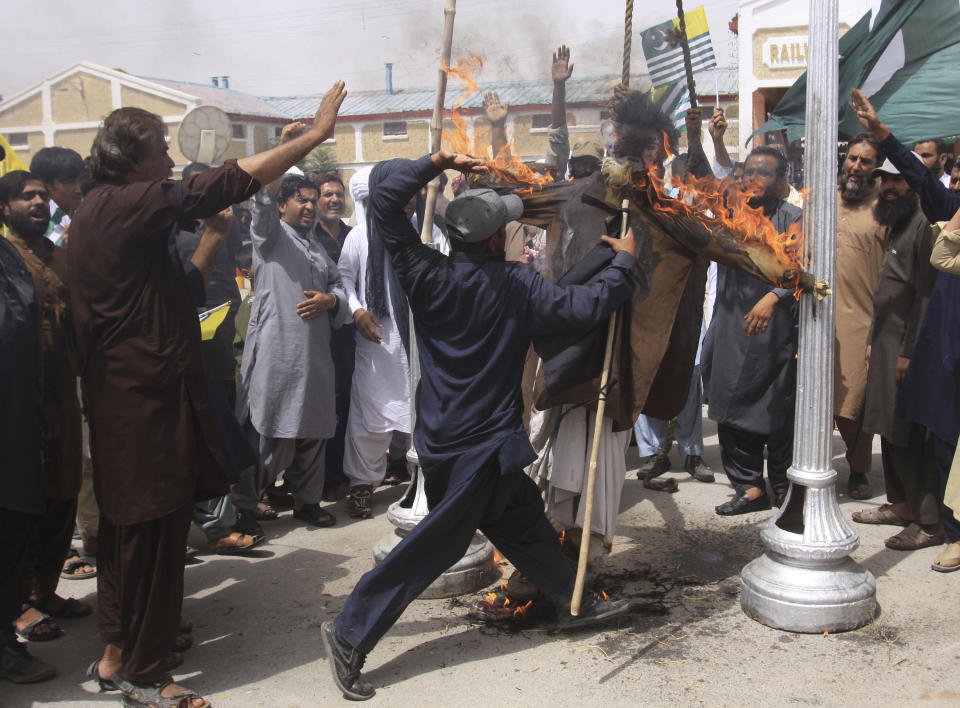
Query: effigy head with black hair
[[639, 135]]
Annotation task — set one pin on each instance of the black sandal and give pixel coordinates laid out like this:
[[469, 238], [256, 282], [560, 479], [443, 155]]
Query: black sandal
[[314, 515]]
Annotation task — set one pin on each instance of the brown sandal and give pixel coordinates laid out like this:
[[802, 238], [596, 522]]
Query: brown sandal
[[913, 538], [883, 514]]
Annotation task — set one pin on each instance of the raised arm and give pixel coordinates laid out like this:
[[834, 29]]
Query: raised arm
[[269, 165], [938, 202], [718, 128], [558, 138], [497, 115], [393, 184], [215, 230]]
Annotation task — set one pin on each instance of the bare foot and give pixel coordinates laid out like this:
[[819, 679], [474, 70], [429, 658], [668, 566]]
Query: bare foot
[[110, 662]]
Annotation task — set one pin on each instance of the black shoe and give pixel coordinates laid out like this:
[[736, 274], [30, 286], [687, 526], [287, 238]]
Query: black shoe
[[397, 472], [743, 505], [594, 609], [360, 501], [314, 515], [247, 523], [345, 664], [698, 469], [19, 666]]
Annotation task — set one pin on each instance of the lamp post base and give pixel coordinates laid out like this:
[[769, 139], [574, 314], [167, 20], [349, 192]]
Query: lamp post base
[[833, 596]]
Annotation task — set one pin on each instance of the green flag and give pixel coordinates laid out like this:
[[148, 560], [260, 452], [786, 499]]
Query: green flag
[[904, 57]]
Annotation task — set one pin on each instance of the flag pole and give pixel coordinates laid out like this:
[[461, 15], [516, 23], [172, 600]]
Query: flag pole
[[687, 64], [436, 125]]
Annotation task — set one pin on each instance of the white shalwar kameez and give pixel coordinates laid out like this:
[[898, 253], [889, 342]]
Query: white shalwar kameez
[[380, 395]]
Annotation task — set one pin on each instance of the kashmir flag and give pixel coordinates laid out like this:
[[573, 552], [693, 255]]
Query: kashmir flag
[[210, 320], [10, 161], [903, 55], [665, 55], [674, 100]]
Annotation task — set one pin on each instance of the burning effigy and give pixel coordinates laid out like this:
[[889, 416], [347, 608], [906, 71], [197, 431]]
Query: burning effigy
[[680, 229]]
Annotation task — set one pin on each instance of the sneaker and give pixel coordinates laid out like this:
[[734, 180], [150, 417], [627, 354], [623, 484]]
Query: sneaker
[[247, 523], [594, 609], [698, 469], [360, 501], [345, 664], [19, 666]]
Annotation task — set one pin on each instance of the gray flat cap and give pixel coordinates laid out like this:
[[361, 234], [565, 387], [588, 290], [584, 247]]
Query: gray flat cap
[[475, 215]]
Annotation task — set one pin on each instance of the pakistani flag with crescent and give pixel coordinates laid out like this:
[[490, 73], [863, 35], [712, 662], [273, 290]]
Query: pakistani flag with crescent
[[665, 60], [904, 56]]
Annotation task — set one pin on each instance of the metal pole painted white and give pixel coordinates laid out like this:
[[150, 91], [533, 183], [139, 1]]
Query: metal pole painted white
[[806, 581]]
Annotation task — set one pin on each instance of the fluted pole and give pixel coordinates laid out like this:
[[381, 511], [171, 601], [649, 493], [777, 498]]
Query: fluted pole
[[806, 581]]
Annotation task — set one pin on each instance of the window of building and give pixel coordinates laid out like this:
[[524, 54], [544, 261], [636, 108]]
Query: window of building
[[604, 114], [541, 121], [277, 131], [395, 129], [18, 141], [239, 131]]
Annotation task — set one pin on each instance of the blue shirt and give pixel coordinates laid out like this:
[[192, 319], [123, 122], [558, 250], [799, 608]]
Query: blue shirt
[[475, 315]]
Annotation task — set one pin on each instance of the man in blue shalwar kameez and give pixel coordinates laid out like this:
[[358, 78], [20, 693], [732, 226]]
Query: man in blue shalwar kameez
[[475, 315]]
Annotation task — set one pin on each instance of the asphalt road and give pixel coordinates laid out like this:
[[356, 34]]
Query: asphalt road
[[687, 643]]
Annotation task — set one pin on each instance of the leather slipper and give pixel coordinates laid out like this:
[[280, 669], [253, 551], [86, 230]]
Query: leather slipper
[[949, 560], [913, 538]]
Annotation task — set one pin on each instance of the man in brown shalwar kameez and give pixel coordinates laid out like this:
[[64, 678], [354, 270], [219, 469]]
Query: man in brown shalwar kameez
[[47, 265], [859, 255], [153, 438]]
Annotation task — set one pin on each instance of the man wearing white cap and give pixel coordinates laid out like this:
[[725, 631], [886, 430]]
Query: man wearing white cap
[[903, 290], [475, 316]]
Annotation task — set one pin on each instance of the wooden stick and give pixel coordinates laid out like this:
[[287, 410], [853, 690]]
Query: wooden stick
[[685, 46], [595, 450], [436, 125]]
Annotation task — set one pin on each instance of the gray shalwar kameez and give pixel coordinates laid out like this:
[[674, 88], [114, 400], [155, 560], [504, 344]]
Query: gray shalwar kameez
[[903, 290], [287, 377], [750, 381]]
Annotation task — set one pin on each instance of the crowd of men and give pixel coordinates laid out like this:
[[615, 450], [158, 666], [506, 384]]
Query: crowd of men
[[121, 420]]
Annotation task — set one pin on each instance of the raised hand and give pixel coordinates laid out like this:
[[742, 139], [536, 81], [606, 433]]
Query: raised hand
[[562, 67], [219, 222], [694, 121], [496, 112], [867, 114], [326, 116], [292, 130], [718, 124]]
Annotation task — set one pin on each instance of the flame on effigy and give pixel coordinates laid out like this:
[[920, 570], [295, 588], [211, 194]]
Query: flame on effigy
[[503, 167]]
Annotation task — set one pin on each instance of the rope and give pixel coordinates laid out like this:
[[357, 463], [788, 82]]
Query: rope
[[627, 44], [687, 65]]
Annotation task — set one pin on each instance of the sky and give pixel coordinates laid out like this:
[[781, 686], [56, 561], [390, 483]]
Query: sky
[[272, 50]]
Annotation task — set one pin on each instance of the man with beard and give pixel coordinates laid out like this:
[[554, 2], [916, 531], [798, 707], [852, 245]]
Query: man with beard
[[749, 358], [24, 204], [903, 289], [859, 254], [22, 501]]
